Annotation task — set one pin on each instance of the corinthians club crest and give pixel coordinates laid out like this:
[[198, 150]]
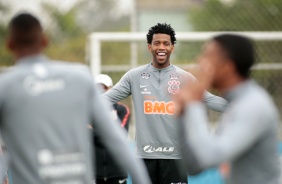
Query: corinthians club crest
[[173, 87]]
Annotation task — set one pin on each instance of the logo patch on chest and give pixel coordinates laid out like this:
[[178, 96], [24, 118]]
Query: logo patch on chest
[[174, 76], [173, 87], [145, 75]]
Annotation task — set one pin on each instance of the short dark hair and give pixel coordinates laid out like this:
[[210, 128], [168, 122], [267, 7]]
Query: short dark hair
[[240, 50], [163, 29], [24, 29]]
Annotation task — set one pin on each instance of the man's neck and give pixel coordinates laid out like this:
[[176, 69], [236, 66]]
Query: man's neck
[[230, 84], [22, 54], [158, 66]]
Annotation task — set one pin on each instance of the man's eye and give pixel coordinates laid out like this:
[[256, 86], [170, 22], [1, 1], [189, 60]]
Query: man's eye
[[156, 43]]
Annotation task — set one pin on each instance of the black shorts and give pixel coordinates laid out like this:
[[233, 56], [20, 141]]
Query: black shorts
[[166, 171]]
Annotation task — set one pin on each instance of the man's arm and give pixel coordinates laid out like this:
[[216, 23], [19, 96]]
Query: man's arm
[[212, 149], [124, 115], [120, 91], [114, 138], [215, 103]]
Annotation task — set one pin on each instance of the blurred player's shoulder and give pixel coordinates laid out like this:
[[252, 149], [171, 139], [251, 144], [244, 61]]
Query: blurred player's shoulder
[[37, 67], [7, 73], [44, 72], [71, 70], [256, 97], [76, 68]]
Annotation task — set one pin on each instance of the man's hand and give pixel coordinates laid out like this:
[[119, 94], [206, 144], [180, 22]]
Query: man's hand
[[205, 73], [194, 91]]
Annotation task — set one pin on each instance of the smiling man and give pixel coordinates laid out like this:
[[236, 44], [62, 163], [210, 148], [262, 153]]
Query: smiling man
[[152, 87]]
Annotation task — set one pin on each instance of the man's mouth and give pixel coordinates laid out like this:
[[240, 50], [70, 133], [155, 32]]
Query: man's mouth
[[161, 55]]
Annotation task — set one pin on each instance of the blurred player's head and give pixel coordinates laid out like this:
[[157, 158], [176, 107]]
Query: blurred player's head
[[105, 81], [231, 58], [25, 35], [161, 40]]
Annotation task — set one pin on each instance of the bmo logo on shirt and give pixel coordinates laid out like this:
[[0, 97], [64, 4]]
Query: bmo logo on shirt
[[159, 107]]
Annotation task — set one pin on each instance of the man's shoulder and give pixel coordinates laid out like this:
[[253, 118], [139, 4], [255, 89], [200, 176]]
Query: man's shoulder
[[9, 73], [140, 68], [10, 76], [70, 66], [179, 70], [259, 94], [137, 71], [256, 98], [182, 72]]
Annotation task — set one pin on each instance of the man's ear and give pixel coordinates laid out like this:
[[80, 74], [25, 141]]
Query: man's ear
[[232, 67], [44, 41], [172, 49], [149, 47], [10, 45]]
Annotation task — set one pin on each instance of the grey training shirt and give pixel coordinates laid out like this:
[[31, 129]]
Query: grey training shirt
[[45, 108], [152, 90], [246, 138]]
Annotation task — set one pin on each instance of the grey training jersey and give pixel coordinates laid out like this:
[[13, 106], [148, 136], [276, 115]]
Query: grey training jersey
[[152, 90], [247, 137], [45, 108]]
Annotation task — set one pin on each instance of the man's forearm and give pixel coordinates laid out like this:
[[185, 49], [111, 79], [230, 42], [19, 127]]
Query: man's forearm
[[215, 103]]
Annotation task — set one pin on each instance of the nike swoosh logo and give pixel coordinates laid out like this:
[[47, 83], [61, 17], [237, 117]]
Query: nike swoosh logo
[[122, 181], [143, 86]]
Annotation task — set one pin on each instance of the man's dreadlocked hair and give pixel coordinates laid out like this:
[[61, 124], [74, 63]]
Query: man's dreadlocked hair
[[163, 29]]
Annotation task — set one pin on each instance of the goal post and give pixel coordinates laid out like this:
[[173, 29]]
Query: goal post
[[95, 40]]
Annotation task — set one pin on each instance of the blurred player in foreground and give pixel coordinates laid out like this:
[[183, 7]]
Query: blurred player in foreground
[[107, 171], [152, 87], [45, 107], [247, 134]]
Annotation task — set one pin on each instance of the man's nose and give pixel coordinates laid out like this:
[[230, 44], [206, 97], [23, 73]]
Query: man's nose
[[161, 46]]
